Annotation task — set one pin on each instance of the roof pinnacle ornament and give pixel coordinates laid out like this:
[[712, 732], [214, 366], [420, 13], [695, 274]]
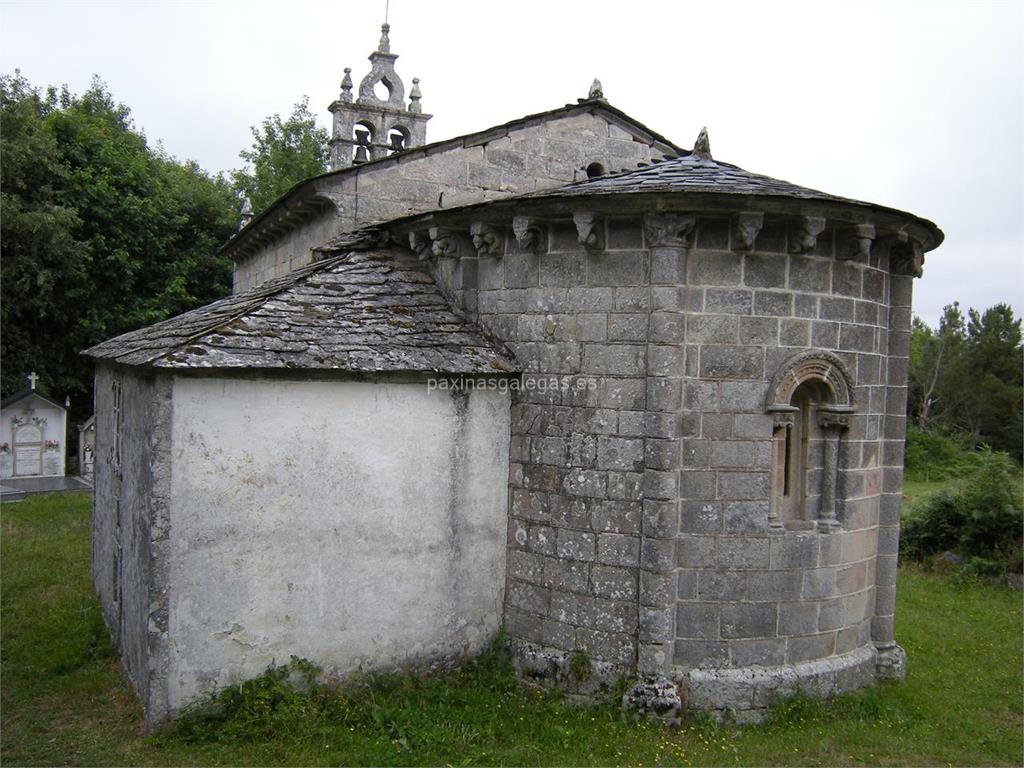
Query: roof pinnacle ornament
[[596, 91], [346, 86], [245, 215], [414, 96], [384, 46], [702, 148]]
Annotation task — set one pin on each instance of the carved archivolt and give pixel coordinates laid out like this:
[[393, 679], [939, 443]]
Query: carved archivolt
[[817, 365]]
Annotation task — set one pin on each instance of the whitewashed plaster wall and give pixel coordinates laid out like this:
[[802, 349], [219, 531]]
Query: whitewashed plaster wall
[[359, 525]]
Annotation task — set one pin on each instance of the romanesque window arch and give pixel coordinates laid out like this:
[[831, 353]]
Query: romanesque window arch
[[811, 397]]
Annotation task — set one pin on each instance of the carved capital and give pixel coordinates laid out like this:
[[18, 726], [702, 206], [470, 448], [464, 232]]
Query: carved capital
[[805, 233], [588, 230], [486, 239], [782, 420], [855, 242], [833, 420], [420, 244], [745, 227], [445, 242], [529, 234], [906, 258], [669, 230]]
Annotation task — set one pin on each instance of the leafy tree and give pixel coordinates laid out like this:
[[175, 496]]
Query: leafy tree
[[966, 377], [283, 153], [102, 233]]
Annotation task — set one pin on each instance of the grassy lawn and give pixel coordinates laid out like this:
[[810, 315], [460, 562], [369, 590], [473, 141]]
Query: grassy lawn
[[64, 702]]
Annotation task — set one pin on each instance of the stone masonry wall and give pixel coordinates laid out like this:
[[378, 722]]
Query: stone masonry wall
[[748, 596], [639, 498], [538, 156]]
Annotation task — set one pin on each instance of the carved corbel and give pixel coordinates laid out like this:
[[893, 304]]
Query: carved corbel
[[486, 239], [805, 233], [420, 244], [445, 242], [745, 227], [855, 242], [588, 230], [669, 230], [529, 234], [906, 257]]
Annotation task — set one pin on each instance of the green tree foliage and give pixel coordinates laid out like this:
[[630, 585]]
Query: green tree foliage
[[966, 377], [283, 153], [102, 233]]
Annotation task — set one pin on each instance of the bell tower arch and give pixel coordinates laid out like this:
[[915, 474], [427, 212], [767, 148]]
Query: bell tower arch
[[378, 122]]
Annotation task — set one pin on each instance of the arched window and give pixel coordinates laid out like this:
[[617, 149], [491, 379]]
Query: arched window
[[811, 398]]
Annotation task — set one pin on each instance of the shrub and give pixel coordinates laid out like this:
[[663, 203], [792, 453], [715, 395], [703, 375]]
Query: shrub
[[980, 518], [933, 457]]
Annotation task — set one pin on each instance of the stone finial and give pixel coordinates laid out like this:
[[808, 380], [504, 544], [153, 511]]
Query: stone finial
[[415, 96], [702, 147], [346, 86], [805, 233], [745, 227], [245, 215], [529, 234], [596, 91], [384, 46], [588, 230]]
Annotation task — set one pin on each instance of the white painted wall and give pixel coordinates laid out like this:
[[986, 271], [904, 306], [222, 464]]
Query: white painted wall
[[359, 525], [52, 424]]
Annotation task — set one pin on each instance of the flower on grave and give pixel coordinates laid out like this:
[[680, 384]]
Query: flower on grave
[[5, 448], [52, 445]]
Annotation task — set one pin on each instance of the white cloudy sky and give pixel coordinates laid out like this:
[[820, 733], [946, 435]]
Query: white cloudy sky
[[915, 105]]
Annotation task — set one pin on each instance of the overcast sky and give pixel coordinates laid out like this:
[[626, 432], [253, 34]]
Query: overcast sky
[[914, 105]]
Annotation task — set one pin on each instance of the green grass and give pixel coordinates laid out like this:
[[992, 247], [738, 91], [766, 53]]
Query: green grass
[[64, 701]]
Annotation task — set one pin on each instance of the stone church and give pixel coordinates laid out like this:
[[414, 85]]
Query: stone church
[[563, 377]]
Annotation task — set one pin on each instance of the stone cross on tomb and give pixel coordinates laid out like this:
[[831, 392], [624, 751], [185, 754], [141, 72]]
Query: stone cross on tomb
[[32, 379]]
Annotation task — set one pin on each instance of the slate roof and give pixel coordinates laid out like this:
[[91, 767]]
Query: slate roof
[[689, 174], [370, 310]]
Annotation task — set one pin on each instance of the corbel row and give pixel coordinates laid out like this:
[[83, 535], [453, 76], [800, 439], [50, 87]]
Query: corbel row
[[666, 230]]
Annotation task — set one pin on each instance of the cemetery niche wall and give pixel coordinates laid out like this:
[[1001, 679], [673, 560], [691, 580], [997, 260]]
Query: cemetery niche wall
[[681, 454], [33, 435]]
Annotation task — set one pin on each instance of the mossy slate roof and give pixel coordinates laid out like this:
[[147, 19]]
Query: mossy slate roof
[[364, 310], [689, 174]]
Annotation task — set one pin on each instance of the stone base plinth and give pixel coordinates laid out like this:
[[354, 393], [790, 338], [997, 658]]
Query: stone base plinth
[[745, 695]]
